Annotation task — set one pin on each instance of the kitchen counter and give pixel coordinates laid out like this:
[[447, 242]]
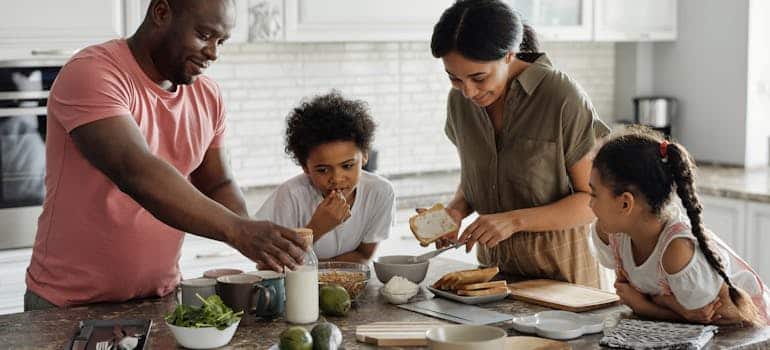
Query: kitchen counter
[[52, 329], [734, 182]]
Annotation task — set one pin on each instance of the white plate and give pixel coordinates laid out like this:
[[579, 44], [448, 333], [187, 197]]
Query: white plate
[[560, 325], [469, 299]]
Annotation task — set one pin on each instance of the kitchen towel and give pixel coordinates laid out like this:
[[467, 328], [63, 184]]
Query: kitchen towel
[[644, 335]]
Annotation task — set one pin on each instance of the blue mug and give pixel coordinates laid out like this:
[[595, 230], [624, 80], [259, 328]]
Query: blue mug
[[276, 305]]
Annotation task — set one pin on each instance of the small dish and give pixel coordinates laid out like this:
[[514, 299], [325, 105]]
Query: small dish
[[559, 325], [351, 276], [385, 267], [456, 337], [481, 299], [398, 298], [203, 338]]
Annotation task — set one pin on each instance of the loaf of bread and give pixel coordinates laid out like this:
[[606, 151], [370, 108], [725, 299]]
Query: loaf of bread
[[453, 280], [432, 224], [483, 285], [485, 291]]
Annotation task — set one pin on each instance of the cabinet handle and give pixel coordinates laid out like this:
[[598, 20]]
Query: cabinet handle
[[53, 52], [214, 255]]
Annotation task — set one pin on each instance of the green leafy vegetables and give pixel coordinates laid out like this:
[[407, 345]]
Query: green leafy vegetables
[[213, 313]]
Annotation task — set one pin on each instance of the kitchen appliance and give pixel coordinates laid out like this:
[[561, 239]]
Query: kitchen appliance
[[24, 88], [656, 112]]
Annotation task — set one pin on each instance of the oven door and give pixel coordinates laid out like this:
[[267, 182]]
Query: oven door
[[23, 95]]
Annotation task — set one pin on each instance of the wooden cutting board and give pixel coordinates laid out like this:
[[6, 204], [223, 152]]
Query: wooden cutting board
[[562, 295], [534, 343], [395, 333]]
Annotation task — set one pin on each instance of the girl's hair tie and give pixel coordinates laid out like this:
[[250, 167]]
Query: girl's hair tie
[[664, 151]]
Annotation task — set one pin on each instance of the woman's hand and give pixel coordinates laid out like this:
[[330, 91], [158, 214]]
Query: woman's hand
[[490, 229], [332, 211], [452, 237]]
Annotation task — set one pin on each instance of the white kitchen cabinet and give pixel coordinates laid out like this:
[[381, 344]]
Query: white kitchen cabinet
[[14, 264], [558, 20], [41, 28], [362, 20], [726, 217], [758, 234], [633, 20]]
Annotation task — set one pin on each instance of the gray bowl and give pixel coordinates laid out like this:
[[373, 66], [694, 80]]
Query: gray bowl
[[386, 267]]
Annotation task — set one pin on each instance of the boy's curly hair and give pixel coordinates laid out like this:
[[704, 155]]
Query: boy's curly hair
[[327, 118]]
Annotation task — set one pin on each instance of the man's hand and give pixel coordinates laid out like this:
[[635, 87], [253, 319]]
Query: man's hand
[[451, 238], [269, 245], [332, 211]]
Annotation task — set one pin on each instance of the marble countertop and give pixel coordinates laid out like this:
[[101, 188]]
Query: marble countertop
[[734, 182], [53, 328]]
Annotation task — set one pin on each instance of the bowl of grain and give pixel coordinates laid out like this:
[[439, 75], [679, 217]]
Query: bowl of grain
[[351, 276]]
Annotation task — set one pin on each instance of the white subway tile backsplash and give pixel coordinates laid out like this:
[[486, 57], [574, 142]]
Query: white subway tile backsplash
[[404, 86]]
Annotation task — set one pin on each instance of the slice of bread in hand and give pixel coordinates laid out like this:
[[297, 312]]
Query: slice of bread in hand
[[454, 279], [483, 285], [432, 224], [486, 291]]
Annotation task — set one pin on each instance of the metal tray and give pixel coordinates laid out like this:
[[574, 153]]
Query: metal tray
[[481, 299], [102, 330]]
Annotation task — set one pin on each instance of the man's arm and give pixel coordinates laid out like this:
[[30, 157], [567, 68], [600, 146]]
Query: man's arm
[[362, 254], [116, 147], [215, 180]]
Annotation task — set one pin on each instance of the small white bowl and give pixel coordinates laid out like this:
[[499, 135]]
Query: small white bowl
[[462, 337], [203, 338], [398, 298], [559, 325]]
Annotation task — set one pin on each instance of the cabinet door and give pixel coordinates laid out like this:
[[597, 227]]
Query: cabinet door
[[558, 20], [633, 20], [362, 20], [40, 27], [727, 219], [758, 235]]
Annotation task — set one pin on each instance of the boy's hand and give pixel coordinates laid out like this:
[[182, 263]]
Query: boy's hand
[[332, 211]]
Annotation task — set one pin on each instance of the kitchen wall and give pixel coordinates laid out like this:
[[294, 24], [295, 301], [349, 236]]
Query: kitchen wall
[[404, 85]]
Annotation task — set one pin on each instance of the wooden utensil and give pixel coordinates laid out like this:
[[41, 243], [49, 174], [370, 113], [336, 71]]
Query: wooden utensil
[[562, 295], [534, 343], [395, 333]]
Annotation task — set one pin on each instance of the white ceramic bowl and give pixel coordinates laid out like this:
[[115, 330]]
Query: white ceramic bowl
[[385, 267], [560, 325], [465, 337], [398, 298], [203, 338]]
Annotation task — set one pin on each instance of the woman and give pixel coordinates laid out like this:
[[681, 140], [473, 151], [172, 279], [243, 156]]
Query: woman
[[523, 131]]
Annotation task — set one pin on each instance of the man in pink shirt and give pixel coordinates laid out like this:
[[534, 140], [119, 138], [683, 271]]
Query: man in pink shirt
[[135, 158]]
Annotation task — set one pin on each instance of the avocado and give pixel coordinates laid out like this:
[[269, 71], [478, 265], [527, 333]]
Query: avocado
[[326, 336], [296, 338], [334, 300]]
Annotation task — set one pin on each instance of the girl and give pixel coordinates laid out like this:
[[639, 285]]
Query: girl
[[669, 266], [523, 131], [348, 209]]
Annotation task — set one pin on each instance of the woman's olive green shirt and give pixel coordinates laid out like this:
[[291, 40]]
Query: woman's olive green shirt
[[549, 124]]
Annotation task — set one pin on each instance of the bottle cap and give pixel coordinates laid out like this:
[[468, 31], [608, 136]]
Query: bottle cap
[[307, 234]]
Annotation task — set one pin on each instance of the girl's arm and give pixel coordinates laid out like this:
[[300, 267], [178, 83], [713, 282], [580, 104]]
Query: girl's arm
[[362, 254], [642, 306]]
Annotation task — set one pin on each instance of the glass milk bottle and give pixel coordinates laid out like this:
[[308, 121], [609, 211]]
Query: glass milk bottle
[[302, 285]]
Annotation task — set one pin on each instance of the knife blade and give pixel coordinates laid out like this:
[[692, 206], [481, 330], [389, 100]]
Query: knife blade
[[80, 342], [433, 254]]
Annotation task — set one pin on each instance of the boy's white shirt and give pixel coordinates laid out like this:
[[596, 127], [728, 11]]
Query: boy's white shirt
[[293, 203]]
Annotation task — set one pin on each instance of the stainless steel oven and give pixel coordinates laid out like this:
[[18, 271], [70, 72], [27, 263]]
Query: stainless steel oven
[[24, 87]]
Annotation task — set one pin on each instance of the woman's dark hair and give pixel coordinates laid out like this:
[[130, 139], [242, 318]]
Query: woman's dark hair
[[327, 118], [483, 30], [635, 162]]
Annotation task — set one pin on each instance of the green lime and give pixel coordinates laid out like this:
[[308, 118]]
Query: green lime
[[326, 336], [334, 300], [296, 338]]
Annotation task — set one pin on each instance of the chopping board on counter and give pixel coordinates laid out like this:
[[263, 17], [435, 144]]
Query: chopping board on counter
[[562, 295], [395, 333], [535, 343]]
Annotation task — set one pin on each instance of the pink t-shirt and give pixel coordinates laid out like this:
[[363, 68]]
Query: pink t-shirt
[[94, 243]]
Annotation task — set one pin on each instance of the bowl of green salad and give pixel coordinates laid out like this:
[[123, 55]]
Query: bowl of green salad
[[210, 326]]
